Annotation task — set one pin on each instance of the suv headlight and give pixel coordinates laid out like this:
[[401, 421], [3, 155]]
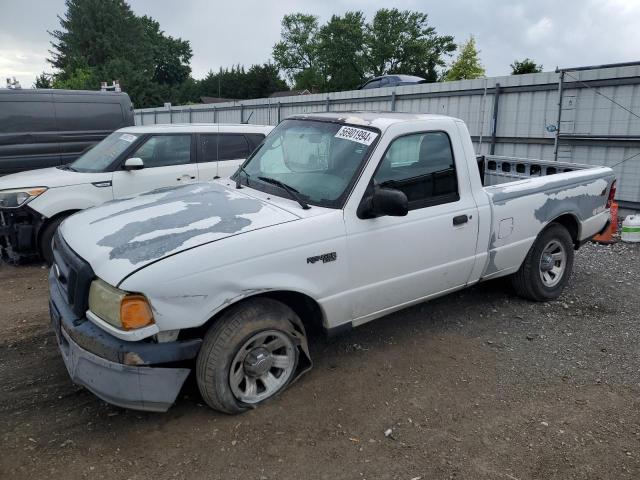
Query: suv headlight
[[121, 309], [17, 197]]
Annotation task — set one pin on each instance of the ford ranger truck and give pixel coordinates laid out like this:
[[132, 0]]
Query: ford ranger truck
[[336, 220]]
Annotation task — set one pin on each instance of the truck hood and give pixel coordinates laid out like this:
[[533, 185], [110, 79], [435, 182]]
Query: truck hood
[[122, 236], [50, 177]]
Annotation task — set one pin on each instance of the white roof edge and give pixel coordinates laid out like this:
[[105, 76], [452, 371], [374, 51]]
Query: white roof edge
[[197, 127]]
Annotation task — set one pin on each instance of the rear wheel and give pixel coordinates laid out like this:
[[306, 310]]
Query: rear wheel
[[248, 356], [46, 237], [547, 267]]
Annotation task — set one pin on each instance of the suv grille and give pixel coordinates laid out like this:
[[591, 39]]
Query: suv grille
[[73, 275]]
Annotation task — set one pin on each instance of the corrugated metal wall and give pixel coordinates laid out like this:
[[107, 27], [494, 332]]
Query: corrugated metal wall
[[600, 122]]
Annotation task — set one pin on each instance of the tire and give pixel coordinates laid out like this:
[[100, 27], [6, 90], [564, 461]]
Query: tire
[[535, 280], [239, 340], [46, 237]]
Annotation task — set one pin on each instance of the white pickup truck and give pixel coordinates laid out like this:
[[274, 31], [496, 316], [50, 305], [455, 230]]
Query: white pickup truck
[[128, 162], [336, 220]]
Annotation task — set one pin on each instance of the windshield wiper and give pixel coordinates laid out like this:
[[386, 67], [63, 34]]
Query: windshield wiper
[[239, 179], [293, 193], [67, 167]]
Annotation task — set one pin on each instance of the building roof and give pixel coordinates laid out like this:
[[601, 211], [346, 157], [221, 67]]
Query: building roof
[[289, 93], [216, 100]]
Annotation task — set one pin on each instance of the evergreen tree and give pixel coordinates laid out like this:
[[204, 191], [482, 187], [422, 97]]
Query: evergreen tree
[[103, 40], [467, 66]]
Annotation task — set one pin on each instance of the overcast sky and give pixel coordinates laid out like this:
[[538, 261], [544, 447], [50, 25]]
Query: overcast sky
[[552, 32]]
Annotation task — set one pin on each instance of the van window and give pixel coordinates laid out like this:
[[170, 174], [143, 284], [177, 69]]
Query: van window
[[421, 166], [164, 150], [88, 116], [224, 146], [27, 117]]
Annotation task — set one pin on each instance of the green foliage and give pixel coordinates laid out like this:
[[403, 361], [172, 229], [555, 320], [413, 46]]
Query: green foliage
[[297, 52], [467, 66], [342, 53], [403, 42], [525, 66], [238, 83], [103, 40], [43, 81]]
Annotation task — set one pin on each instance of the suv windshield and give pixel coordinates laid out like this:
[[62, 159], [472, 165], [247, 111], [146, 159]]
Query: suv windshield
[[317, 159], [101, 156]]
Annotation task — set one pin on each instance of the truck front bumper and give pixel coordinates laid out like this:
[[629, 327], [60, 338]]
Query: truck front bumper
[[122, 373]]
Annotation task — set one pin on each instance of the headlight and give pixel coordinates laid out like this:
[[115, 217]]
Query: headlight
[[17, 197], [123, 310]]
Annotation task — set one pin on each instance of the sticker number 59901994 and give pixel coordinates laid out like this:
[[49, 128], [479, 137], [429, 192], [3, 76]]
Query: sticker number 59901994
[[360, 135]]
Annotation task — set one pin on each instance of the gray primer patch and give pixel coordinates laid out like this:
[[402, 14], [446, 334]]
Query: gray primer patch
[[197, 204], [500, 194]]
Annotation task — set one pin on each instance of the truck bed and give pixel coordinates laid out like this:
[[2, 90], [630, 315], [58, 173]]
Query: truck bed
[[526, 195]]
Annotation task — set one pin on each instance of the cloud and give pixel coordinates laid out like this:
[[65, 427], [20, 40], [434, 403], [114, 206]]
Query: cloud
[[554, 33]]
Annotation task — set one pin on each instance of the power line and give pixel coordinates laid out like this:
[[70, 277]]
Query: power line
[[603, 95], [622, 161]]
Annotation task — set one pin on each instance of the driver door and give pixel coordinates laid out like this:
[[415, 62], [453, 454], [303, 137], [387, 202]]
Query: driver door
[[168, 161], [395, 261]]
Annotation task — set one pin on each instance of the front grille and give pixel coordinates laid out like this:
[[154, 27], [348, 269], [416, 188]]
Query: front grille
[[73, 275]]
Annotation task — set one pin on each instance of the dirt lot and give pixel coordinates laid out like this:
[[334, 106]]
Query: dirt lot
[[476, 385]]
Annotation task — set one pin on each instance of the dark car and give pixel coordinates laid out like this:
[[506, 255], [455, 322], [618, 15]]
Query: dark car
[[45, 128], [392, 81]]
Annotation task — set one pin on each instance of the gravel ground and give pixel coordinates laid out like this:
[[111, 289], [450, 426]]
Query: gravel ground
[[478, 385]]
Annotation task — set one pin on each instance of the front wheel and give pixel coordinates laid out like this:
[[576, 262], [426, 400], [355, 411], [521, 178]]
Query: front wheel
[[46, 237], [547, 267], [248, 356]]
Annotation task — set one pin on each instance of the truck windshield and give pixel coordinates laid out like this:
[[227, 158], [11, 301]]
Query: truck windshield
[[101, 156], [318, 159]]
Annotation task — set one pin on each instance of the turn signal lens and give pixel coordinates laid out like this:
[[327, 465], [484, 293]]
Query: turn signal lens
[[135, 312]]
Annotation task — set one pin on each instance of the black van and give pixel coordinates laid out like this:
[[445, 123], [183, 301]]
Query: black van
[[44, 128]]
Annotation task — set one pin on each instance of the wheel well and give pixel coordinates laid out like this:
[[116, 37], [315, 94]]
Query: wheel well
[[48, 222], [569, 222], [303, 305]]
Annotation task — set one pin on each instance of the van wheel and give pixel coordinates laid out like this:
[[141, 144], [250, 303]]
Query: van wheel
[[46, 237], [547, 267], [248, 356]]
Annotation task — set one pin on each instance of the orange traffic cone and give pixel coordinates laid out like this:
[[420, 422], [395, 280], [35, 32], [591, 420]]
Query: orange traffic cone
[[606, 237]]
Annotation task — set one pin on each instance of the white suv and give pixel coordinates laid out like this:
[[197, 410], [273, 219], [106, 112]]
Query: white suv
[[128, 162]]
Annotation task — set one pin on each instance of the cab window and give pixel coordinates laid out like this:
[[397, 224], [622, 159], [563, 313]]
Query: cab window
[[422, 166]]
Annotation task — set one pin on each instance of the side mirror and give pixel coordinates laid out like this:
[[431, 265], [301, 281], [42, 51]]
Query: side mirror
[[133, 164], [385, 202]]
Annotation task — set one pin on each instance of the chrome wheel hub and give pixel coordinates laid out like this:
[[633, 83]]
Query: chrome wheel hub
[[262, 366]]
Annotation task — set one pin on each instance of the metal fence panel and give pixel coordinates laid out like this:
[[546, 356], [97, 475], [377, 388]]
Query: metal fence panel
[[600, 115]]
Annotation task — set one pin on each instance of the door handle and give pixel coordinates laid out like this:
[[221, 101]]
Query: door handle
[[185, 177], [460, 219]]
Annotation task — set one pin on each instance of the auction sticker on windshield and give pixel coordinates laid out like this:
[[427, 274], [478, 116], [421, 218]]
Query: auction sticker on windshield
[[365, 137]]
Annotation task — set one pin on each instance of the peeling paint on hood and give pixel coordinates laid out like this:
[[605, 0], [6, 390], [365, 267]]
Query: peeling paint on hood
[[122, 236]]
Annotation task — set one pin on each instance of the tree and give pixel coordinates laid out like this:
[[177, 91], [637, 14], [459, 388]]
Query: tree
[[103, 40], [238, 83], [525, 66], [346, 50], [297, 52], [467, 66], [403, 42], [341, 52], [43, 81]]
